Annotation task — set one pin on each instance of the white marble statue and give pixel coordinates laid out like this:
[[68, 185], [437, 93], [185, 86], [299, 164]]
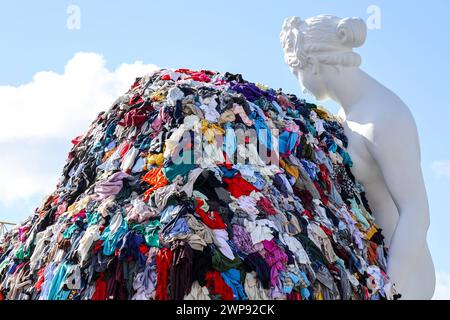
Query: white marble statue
[[383, 140]]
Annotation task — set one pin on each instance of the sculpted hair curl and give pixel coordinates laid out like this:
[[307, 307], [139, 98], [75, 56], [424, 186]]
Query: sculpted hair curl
[[326, 38]]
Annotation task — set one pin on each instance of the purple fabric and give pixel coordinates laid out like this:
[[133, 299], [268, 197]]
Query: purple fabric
[[251, 91], [276, 260], [111, 186], [162, 118], [242, 239]]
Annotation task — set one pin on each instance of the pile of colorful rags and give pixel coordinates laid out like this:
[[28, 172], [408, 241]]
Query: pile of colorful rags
[[129, 220]]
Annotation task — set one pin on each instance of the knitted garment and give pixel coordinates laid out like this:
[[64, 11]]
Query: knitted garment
[[201, 185]]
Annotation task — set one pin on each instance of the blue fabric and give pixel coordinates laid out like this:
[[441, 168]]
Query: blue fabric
[[232, 279], [228, 173], [180, 227], [259, 183], [262, 130], [288, 140], [111, 240], [229, 141], [57, 281], [310, 168], [130, 247]]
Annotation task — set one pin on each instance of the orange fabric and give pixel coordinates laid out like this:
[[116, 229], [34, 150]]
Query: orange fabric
[[156, 179], [292, 170], [372, 253], [108, 154]]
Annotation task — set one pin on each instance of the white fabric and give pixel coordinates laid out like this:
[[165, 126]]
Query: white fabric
[[220, 237], [197, 293], [175, 94], [253, 288], [91, 235], [296, 248], [259, 230], [209, 107]]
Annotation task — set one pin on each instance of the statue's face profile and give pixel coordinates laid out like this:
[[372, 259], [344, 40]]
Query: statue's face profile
[[300, 65], [312, 82]]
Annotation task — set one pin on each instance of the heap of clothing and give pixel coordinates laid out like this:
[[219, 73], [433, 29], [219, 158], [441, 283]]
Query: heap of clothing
[[126, 221]]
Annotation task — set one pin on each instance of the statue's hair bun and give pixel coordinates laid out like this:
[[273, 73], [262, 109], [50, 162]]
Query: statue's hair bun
[[352, 32]]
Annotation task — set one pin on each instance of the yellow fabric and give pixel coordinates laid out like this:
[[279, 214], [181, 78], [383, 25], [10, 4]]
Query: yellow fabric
[[369, 234], [262, 86], [292, 170], [323, 113], [158, 96], [210, 131], [155, 159], [319, 296]]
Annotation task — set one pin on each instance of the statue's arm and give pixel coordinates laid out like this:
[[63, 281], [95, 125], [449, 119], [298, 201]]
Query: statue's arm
[[397, 151]]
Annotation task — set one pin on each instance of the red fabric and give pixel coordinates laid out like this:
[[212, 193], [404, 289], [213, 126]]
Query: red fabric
[[294, 295], [135, 117], [135, 100], [327, 231], [308, 214], [212, 219], [40, 279], [266, 206], [143, 249], [136, 84], [202, 76], [325, 176], [323, 197], [217, 286], [98, 245], [238, 186], [163, 264], [100, 288], [77, 140], [81, 214], [198, 76], [166, 77]]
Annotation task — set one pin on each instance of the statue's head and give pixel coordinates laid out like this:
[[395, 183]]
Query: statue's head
[[312, 46]]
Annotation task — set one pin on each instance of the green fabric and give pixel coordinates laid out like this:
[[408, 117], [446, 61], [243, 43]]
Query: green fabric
[[93, 218], [68, 233], [346, 158], [222, 263], [3, 264], [307, 150], [313, 251], [310, 127], [22, 253], [182, 168], [151, 233], [293, 113]]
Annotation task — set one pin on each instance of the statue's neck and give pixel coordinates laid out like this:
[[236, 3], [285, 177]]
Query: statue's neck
[[349, 87]]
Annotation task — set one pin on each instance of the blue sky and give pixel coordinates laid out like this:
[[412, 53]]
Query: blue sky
[[409, 54]]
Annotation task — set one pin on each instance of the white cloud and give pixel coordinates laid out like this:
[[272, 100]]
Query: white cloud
[[38, 120], [54, 104], [442, 286], [441, 168]]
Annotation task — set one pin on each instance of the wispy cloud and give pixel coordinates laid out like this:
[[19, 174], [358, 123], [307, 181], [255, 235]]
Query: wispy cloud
[[38, 120], [442, 286], [441, 169]]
